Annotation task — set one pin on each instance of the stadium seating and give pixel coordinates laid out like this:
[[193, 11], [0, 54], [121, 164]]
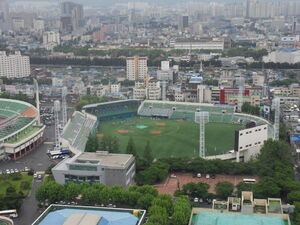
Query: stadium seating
[[78, 130], [13, 106], [117, 109], [14, 126]]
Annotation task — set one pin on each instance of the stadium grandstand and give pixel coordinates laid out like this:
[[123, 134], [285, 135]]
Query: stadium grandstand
[[20, 132], [113, 110], [76, 132]]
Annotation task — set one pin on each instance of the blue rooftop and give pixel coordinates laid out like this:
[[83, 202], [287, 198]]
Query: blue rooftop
[[109, 217], [288, 50]]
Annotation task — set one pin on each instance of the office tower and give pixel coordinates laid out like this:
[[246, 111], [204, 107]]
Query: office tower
[[294, 25], [14, 66], [183, 22], [4, 15], [72, 16], [136, 68]]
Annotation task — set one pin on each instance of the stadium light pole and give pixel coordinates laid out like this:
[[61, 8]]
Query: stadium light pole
[[37, 100], [276, 103], [202, 118], [241, 90], [56, 117], [64, 106]]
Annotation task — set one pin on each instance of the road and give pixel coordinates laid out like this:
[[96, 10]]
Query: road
[[39, 161]]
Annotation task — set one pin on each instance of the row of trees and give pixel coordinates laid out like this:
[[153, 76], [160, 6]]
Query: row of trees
[[20, 96], [162, 209], [247, 52], [89, 99]]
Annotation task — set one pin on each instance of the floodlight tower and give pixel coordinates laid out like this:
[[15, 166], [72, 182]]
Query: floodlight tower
[[64, 106], [202, 118], [56, 118], [164, 90], [241, 84], [276, 103], [37, 100]]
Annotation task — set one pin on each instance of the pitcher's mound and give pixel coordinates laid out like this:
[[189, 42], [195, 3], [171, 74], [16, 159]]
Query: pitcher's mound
[[181, 120], [123, 131], [100, 135], [155, 132], [160, 124]]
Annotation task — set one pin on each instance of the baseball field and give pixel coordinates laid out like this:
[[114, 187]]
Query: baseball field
[[170, 138]]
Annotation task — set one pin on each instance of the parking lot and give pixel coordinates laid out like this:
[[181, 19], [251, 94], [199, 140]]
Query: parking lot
[[171, 184]]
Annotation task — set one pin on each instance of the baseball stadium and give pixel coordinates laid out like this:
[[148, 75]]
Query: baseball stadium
[[170, 127], [20, 132]]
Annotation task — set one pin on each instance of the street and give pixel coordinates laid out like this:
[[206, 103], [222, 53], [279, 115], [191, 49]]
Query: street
[[38, 161]]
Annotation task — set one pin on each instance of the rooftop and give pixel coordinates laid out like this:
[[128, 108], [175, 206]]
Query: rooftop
[[82, 215], [105, 158]]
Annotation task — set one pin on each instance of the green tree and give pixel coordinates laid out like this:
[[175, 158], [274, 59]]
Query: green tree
[[130, 149], [199, 190], [182, 211], [242, 186], [266, 188], [148, 153], [224, 189], [145, 201], [92, 144], [110, 144], [158, 214]]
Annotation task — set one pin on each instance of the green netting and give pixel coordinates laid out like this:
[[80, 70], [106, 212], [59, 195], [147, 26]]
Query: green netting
[[208, 218]]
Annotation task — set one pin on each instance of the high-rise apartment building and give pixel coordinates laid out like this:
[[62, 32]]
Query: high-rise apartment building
[[51, 39], [183, 22], [14, 66], [72, 16], [136, 68]]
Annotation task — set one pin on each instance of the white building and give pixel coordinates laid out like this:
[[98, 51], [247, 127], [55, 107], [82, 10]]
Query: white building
[[165, 73], [153, 90], [14, 66], [38, 25], [204, 94], [51, 39], [115, 88], [136, 68], [198, 45], [139, 93], [289, 55]]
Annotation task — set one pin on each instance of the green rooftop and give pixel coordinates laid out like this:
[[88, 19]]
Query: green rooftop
[[211, 218]]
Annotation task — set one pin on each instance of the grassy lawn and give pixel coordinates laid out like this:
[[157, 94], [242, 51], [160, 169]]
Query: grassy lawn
[[171, 138], [7, 180]]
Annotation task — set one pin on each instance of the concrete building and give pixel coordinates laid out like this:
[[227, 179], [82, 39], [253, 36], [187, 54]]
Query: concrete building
[[258, 80], [72, 16], [165, 73], [115, 88], [204, 94], [51, 39], [136, 68], [14, 66], [38, 25], [288, 55], [243, 210], [153, 90], [107, 168], [4, 15], [200, 44]]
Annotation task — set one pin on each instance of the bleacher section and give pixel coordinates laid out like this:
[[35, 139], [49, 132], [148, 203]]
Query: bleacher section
[[112, 110], [78, 129], [14, 126], [180, 110], [12, 106]]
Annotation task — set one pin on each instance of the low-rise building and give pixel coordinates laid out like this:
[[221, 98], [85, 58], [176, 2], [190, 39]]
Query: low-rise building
[[107, 168]]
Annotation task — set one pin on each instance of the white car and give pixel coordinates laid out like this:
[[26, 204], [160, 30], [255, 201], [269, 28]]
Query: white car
[[26, 168], [7, 171], [196, 200], [16, 171], [35, 175], [12, 171]]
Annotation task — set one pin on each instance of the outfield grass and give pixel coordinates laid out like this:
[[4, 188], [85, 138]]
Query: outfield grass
[[177, 139], [7, 181]]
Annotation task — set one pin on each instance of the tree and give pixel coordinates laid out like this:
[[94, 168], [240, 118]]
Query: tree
[[92, 144], [145, 201], [148, 153], [224, 189], [182, 211], [130, 149], [293, 196], [267, 188], [158, 214], [199, 190], [110, 144], [242, 186]]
